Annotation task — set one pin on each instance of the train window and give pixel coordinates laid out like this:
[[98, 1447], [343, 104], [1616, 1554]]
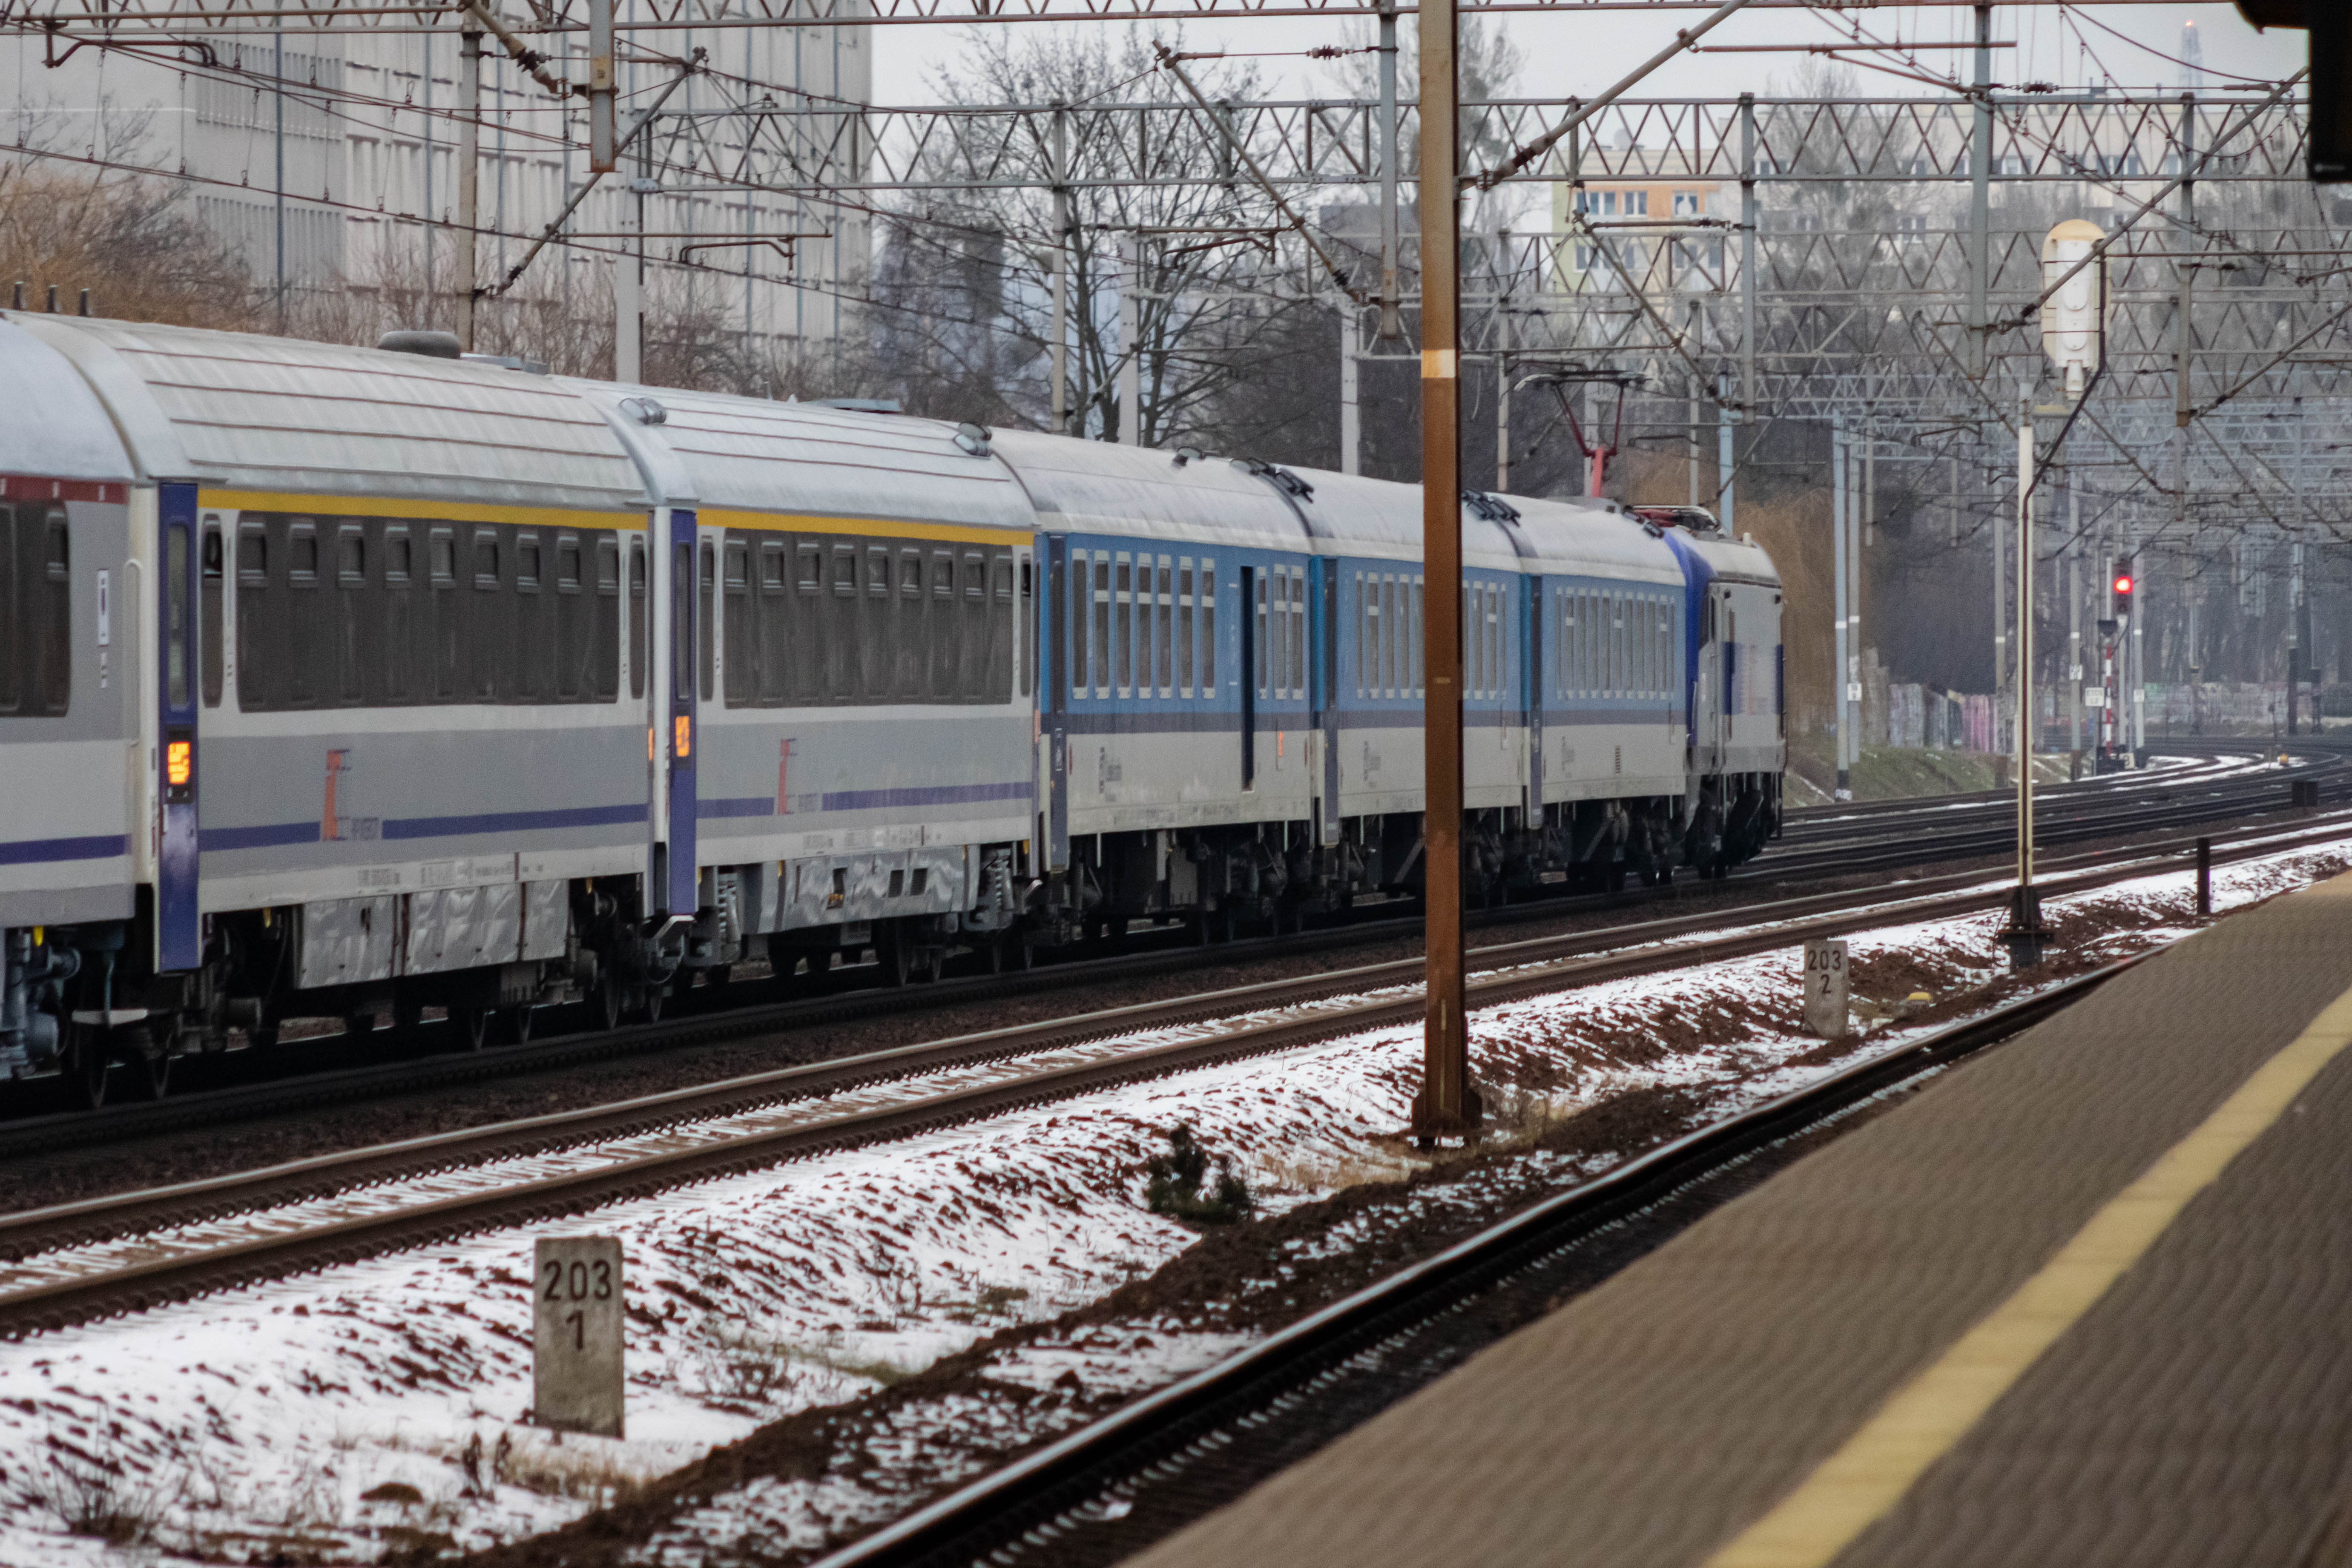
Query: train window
[[489, 634], [1166, 620], [605, 652], [1184, 625], [1102, 624], [875, 620], [1393, 671], [1208, 628], [1416, 642], [302, 554], [1263, 676], [442, 554], [1026, 627], [1297, 633], [737, 626], [349, 612], [914, 628], [252, 619], [639, 618], [176, 615], [835, 637], [681, 622], [999, 612], [806, 664], [54, 686], [1367, 639], [209, 610], [13, 621], [395, 661], [443, 612], [976, 667], [527, 564], [775, 628], [1123, 629], [1073, 613], [706, 613], [567, 563]]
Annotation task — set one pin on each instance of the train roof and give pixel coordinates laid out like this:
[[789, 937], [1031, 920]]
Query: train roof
[[1590, 538], [807, 461], [286, 417], [1740, 560], [1381, 517], [50, 410], [1101, 486]]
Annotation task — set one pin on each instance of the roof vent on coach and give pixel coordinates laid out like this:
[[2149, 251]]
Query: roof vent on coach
[[1689, 519], [1188, 455], [973, 439], [1282, 478], [432, 346], [1489, 506], [645, 410]]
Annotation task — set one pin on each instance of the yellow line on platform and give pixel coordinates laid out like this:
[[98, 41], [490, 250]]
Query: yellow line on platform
[[1925, 1419]]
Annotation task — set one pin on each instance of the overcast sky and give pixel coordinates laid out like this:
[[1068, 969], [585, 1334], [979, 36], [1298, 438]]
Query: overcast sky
[[1574, 54]]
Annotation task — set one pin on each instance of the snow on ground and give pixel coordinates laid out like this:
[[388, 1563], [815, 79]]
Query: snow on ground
[[380, 1406]]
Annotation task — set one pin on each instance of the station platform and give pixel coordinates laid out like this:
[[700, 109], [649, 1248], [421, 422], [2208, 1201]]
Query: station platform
[[2086, 1300]]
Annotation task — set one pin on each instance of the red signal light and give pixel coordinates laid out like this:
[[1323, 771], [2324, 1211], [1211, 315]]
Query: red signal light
[[2124, 584]]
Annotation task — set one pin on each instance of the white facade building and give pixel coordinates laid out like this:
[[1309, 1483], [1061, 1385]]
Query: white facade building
[[348, 177]]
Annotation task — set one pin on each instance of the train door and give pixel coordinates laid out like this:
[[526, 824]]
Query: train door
[[179, 930], [1056, 605], [689, 652], [1248, 619]]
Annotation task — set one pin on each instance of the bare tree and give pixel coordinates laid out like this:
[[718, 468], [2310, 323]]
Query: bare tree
[[964, 293]]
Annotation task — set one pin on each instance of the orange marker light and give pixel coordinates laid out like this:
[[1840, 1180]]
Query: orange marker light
[[684, 747], [178, 763]]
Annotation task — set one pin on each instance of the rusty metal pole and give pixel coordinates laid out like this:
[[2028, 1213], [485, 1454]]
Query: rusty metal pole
[[1446, 1105]]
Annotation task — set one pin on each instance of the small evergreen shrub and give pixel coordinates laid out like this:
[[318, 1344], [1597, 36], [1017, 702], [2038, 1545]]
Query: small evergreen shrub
[[1172, 1185]]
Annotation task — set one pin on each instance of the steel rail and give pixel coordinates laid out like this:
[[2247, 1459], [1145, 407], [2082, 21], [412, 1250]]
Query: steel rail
[[1517, 971]]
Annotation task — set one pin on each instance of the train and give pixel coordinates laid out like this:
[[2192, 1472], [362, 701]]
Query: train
[[345, 683]]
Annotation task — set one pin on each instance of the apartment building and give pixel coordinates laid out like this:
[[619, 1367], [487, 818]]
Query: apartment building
[[347, 177]]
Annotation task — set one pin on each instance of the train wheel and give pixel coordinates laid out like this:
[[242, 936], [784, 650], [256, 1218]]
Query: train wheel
[[610, 1004], [86, 1064], [515, 1023], [471, 1026], [149, 1063]]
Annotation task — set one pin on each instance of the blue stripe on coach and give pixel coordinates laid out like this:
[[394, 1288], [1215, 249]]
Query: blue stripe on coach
[[274, 834], [34, 851], [875, 799]]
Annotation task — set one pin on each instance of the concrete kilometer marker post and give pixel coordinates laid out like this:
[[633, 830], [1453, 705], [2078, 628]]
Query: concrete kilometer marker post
[[1826, 1007], [576, 1325]]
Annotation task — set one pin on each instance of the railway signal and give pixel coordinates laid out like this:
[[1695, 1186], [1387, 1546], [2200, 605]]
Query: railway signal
[[2123, 593]]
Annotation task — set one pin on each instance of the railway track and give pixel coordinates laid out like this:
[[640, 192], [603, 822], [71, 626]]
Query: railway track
[[1109, 1489], [124, 1253], [1825, 841]]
